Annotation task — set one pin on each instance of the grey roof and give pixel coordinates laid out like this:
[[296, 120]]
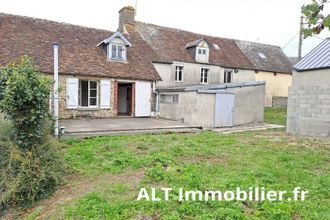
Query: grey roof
[[293, 60], [212, 87], [266, 57], [318, 58]]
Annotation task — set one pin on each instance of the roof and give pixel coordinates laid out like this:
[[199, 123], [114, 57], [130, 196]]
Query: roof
[[78, 51], [196, 43], [209, 88], [266, 57], [116, 35], [293, 60], [318, 58], [170, 45]]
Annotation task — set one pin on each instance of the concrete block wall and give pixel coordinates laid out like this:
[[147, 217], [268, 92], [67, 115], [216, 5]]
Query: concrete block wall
[[309, 110]]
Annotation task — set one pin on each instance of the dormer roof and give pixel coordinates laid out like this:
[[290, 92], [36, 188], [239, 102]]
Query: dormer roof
[[196, 43], [116, 35]]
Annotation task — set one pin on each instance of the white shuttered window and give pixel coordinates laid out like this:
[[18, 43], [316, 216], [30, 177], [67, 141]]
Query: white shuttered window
[[72, 93], [105, 94]]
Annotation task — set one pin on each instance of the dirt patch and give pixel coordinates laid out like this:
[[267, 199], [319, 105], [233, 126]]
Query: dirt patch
[[78, 186]]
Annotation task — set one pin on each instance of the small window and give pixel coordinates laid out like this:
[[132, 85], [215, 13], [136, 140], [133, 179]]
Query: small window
[[204, 75], [261, 55], [88, 93], [179, 73], [169, 99], [117, 52], [228, 76], [204, 51], [199, 51]]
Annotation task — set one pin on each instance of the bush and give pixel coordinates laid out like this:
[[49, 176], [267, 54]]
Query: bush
[[24, 94], [31, 167]]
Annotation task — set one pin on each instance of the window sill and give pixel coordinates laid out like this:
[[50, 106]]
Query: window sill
[[88, 108], [118, 61]]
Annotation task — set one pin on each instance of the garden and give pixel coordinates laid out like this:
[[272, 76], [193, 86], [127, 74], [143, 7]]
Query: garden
[[100, 177]]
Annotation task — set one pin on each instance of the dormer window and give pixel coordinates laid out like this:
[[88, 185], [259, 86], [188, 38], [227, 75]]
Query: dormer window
[[200, 49], [117, 52], [115, 47]]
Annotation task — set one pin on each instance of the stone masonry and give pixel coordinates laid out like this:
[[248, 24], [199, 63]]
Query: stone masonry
[[91, 113]]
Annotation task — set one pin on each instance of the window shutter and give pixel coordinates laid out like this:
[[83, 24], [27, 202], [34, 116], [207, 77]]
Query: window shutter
[[105, 94], [72, 93]]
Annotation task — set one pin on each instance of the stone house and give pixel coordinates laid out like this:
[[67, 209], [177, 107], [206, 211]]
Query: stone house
[[309, 95], [107, 74], [101, 73]]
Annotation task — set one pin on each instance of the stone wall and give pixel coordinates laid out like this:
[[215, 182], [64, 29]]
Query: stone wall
[[309, 110], [92, 113]]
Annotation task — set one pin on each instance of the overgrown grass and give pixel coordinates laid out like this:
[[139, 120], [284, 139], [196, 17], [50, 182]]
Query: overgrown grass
[[205, 161], [275, 116]]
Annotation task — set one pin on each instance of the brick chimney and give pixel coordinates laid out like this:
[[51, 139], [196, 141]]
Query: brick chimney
[[126, 16]]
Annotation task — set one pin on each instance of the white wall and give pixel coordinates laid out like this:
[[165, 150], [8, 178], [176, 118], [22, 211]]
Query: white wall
[[192, 74], [198, 108]]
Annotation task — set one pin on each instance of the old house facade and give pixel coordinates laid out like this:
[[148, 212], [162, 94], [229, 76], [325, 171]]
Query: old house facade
[[134, 71], [101, 73]]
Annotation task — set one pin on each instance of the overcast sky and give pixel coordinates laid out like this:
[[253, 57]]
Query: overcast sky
[[265, 21]]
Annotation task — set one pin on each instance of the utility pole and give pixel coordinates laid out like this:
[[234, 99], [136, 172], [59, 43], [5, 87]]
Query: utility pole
[[300, 37], [55, 45]]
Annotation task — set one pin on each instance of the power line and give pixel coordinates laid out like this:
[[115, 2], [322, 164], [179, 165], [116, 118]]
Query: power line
[[314, 35], [290, 41]]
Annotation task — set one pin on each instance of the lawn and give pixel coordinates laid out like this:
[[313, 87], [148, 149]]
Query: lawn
[[275, 116], [108, 173]]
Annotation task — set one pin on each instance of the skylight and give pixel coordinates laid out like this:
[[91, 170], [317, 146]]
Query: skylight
[[216, 46], [261, 55]]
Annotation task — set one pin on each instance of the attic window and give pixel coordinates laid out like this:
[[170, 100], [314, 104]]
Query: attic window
[[117, 52], [201, 51], [216, 46], [261, 55]]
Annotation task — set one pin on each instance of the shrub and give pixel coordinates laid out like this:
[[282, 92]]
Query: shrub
[[24, 94], [31, 167]]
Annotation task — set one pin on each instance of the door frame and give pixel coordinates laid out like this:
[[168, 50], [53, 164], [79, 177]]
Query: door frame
[[129, 94]]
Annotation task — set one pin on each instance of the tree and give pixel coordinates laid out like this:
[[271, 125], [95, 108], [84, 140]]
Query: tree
[[315, 17]]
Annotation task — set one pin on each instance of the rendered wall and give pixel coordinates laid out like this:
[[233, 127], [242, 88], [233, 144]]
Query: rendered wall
[[249, 104], [198, 108], [276, 85], [192, 108], [192, 74]]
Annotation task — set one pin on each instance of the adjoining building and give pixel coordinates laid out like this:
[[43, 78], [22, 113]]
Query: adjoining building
[[272, 66], [309, 95]]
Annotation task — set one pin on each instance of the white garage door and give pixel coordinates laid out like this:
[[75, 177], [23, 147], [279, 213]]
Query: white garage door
[[224, 110], [142, 99]]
